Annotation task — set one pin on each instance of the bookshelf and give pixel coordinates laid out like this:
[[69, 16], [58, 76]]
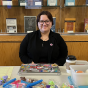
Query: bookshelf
[[18, 12], [60, 11], [77, 11]]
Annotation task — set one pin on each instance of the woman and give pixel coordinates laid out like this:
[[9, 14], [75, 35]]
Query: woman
[[43, 45]]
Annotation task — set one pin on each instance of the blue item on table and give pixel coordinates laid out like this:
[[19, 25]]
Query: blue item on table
[[71, 83], [34, 83], [25, 82], [12, 80], [8, 86]]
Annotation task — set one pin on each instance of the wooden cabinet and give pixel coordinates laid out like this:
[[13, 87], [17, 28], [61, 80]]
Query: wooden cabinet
[[9, 48]]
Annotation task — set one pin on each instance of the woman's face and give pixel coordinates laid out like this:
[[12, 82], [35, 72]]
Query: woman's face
[[44, 24]]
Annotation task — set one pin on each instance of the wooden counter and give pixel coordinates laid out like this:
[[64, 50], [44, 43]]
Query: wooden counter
[[77, 45], [9, 48]]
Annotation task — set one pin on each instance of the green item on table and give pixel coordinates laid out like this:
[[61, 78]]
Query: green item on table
[[52, 87], [67, 87], [64, 86], [51, 83], [2, 80]]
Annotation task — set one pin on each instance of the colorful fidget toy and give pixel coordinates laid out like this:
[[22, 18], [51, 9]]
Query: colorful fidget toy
[[67, 86], [3, 79], [52, 84], [22, 66], [46, 65], [28, 66], [54, 65], [23, 78], [10, 86], [20, 85], [79, 71], [16, 82], [56, 70]]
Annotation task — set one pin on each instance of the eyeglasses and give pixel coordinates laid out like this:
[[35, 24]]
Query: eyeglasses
[[42, 22]]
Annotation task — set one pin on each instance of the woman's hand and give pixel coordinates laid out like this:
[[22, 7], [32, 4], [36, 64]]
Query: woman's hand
[[32, 62]]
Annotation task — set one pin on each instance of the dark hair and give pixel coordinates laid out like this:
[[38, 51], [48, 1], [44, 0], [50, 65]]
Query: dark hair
[[49, 15]]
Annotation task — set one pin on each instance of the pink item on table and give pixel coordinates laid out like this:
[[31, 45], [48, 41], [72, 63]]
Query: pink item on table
[[20, 85], [15, 82], [71, 86]]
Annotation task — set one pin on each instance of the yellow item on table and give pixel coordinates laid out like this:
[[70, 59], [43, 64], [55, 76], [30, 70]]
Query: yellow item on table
[[6, 71]]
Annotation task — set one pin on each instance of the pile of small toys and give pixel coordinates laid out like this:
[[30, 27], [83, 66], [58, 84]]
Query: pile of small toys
[[29, 83], [3, 80], [66, 86]]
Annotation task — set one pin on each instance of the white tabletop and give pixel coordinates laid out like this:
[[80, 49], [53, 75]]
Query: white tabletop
[[58, 79]]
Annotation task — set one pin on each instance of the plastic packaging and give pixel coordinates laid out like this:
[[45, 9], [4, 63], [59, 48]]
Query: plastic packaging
[[79, 78]]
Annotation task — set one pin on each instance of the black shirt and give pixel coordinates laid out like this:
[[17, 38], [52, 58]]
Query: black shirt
[[31, 46], [44, 51]]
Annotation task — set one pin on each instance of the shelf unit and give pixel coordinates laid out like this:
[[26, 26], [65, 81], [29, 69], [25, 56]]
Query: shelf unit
[[18, 12], [79, 11]]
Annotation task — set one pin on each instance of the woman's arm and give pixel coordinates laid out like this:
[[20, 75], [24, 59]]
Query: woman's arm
[[63, 51], [23, 50]]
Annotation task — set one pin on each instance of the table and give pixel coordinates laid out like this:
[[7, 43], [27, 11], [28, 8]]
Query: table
[[58, 79]]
